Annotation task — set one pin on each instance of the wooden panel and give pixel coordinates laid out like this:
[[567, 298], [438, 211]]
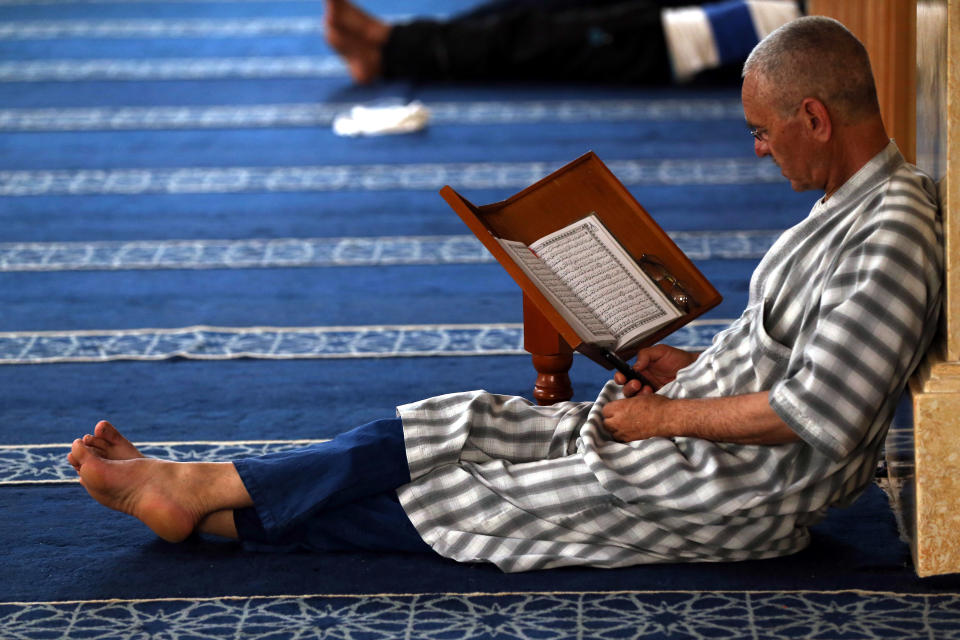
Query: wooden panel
[[887, 29]]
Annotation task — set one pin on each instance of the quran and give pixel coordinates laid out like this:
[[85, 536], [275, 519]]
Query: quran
[[594, 263], [596, 286]]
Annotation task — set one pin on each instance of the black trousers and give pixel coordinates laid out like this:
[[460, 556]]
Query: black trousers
[[601, 41]]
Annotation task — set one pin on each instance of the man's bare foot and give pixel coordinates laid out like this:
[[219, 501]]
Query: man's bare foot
[[358, 37], [171, 498], [110, 443], [344, 16]]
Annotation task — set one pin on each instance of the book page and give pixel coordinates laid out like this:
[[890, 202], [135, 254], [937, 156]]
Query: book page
[[573, 309], [587, 257]]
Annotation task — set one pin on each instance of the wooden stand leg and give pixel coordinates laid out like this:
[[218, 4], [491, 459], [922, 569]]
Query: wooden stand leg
[[552, 356]]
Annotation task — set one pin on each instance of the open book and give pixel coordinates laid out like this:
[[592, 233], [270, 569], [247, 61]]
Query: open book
[[591, 280]]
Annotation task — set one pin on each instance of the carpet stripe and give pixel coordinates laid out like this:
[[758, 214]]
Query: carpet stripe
[[46, 463], [522, 616], [489, 594], [312, 115], [376, 177], [160, 28], [215, 343], [226, 343], [78, 70], [318, 252], [166, 27], [243, 254], [135, 2]]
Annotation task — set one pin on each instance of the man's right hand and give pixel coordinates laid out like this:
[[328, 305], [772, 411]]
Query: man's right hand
[[659, 364]]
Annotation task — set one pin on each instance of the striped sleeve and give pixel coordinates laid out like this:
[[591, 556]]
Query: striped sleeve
[[873, 310]]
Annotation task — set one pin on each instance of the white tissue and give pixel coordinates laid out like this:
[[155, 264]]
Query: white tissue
[[381, 120]]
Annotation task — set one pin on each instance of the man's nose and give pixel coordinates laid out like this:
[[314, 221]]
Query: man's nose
[[760, 148]]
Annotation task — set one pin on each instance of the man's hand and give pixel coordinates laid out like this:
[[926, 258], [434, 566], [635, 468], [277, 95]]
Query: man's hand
[[645, 415], [659, 364]]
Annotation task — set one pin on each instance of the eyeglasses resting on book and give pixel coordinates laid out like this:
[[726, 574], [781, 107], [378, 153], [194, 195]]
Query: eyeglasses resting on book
[[658, 272]]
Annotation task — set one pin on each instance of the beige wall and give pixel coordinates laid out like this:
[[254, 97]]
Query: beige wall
[[936, 400]]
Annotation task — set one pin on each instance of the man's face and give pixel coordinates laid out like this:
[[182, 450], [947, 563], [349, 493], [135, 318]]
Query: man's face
[[781, 138]]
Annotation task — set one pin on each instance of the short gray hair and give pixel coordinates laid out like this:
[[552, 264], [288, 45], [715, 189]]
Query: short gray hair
[[816, 57]]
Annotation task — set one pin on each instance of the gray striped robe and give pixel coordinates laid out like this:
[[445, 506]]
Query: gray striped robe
[[839, 314]]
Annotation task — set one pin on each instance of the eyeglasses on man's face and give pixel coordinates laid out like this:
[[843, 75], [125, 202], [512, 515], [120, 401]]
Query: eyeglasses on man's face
[[762, 134]]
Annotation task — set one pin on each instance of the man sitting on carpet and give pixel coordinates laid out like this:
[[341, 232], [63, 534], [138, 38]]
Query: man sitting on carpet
[[738, 452]]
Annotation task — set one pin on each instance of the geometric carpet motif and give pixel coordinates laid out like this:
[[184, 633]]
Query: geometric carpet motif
[[147, 28], [73, 70], [303, 114], [318, 252], [371, 177], [638, 615], [224, 343], [47, 464]]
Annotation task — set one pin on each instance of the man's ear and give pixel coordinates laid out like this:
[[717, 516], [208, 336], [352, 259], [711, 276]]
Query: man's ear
[[816, 119]]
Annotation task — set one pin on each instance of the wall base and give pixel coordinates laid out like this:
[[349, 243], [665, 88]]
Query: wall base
[[931, 501]]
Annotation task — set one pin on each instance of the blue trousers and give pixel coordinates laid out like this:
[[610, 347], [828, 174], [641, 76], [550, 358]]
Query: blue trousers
[[339, 495]]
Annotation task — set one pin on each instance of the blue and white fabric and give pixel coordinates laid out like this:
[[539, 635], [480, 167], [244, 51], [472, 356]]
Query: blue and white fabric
[[713, 34]]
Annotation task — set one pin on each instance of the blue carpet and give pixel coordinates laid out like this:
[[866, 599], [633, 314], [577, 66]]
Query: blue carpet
[[188, 250], [121, 557]]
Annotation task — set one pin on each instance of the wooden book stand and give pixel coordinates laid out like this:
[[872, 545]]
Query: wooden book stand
[[581, 187]]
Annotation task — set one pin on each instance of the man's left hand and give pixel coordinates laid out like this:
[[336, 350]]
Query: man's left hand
[[642, 416]]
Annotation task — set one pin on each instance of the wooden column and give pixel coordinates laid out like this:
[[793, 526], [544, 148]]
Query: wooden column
[[887, 29]]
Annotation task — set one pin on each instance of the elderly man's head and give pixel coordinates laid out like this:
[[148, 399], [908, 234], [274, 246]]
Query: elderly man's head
[[815, 57], [804, 86]]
